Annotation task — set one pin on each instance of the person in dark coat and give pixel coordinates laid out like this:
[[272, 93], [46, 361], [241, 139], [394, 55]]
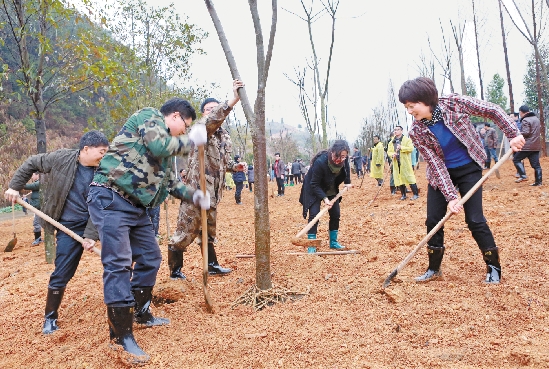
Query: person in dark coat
[[251, 176], [530, 129], [239, 177], [329, 168], [296, 171]]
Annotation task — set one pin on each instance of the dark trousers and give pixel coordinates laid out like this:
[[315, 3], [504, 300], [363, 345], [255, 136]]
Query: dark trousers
[[154, 214], [127, 236], [533, 157], [465, 177], [334, 212], [280, 185], [67, 254], [238, 191]]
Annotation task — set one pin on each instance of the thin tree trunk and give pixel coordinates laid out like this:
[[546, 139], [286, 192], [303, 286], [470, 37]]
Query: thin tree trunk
[[256, 119], [509, 83], [478, 51]]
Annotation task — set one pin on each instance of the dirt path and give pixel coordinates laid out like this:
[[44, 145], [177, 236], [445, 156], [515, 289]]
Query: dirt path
[[344, 322]]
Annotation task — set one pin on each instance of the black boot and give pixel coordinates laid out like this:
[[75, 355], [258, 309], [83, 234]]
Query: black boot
[[37, 238], [487, 164], [53, 301], [435, 259], [521, 171], [415, 191], [538, 177], [121, 333], [213, 265], [393, 190], [175, 263], [238, 200], [493, 267], [403, 192], [143, 315]]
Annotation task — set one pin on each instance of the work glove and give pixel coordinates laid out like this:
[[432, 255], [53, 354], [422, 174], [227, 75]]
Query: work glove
[[201, 200], [198, 134]]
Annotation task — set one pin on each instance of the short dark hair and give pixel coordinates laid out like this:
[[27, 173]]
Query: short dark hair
[[515, 114], [93, 139], [277, 153], [421, 89], [178, 105], [207, 101], [379, 138], [399, 126], [486, 124], [524, 108]]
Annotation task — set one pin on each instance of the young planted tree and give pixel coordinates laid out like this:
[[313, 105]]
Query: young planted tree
[[458, 32], [263, 292], [507, 68], [476, 28], [329, 7], [533, 35]]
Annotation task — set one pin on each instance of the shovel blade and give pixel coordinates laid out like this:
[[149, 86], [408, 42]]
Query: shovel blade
[[11, 244], [306, 242]]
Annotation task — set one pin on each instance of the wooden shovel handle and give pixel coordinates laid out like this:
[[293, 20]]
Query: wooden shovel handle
[[321, 213], [204, 216], [55, 223]]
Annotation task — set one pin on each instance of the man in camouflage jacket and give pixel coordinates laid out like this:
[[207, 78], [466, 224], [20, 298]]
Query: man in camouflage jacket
[[136, 174], [218, 159]]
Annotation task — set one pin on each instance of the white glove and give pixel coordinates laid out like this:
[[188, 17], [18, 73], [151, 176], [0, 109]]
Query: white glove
[[200, 200], [198, 134]]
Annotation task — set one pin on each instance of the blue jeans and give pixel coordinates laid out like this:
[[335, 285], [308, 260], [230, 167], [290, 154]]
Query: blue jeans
[[490, 153], [127, 236], [67, 254]]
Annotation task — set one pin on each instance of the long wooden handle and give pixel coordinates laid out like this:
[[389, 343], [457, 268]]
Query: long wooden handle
[[446, 217], [204, 216], [315, 219], [55, 223]]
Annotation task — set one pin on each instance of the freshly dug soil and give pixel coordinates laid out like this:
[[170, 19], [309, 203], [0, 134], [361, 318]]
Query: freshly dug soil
[[345, 320]]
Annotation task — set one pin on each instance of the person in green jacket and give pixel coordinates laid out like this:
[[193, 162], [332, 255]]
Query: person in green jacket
[[35, 201], [400, 149], [135, 174], [378, 161]]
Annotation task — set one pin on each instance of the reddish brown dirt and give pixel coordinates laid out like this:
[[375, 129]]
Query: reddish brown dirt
[[345, 321]]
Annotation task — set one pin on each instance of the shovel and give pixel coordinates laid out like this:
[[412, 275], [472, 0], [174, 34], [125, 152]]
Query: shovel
[[58, 225], [13, 242]]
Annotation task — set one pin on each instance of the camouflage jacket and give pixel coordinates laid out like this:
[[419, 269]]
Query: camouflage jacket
[[138, 163], [218, 152]]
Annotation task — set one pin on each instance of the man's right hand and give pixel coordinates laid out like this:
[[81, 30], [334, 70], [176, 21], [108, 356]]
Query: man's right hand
[[11, 195]]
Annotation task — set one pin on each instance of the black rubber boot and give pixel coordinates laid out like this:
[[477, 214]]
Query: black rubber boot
[[238, 200], [414, 191], [493, 267], [121, 333], [393, 190], [403, 192], [487, 164], [538, 178], [213, 265], [53, 301], [175, 263], [143, 315], [521, 171], [435, 259]]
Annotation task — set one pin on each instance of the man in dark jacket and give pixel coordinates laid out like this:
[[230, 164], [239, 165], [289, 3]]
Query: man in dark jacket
[[490, 144], [35, 201], [296, 171], [279, 168], [71, 172], [530, 129], [357, 160]]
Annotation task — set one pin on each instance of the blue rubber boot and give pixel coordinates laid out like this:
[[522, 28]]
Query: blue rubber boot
[[311, 249], [333, 241]]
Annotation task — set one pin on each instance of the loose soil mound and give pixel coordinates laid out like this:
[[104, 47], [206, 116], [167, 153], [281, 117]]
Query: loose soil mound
[[345, 321]]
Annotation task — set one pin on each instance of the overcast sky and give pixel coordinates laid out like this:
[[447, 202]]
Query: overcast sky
[[375, 41]]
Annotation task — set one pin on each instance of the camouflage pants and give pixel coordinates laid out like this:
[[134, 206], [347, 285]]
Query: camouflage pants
[[189, 227]]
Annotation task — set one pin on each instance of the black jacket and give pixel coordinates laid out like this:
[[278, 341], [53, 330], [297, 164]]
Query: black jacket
[[319, 179]]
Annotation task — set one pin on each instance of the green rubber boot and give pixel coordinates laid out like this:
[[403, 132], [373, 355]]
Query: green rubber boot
[[333, 241], [311, 249]]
